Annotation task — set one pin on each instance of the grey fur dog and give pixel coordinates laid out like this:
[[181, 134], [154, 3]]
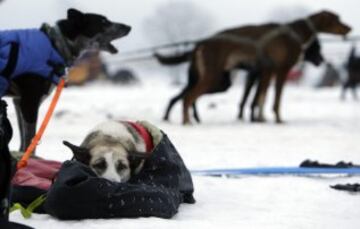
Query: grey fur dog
[[116, 150]]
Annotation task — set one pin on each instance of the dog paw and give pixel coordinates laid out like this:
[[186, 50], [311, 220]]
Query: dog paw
[[280, 121]]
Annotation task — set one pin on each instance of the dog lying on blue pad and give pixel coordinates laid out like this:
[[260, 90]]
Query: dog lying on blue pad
[[156, 189]]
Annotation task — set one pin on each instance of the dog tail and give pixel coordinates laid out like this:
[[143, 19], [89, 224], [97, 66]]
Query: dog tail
[[175, 59]]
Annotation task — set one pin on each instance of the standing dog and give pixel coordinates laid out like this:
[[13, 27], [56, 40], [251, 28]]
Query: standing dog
[[46, 52], [271, 48], [312, 54], [116, 150]]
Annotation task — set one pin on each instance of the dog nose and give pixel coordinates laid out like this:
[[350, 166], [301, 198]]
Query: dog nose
[[128, 28], [125, 28]]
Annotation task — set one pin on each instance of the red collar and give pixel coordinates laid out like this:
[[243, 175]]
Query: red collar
[[144, 134]]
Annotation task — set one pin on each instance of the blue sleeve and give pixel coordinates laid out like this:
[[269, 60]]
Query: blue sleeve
[[4, 84]]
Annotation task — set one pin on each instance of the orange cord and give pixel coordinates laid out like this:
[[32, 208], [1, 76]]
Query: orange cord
[[24, 160]]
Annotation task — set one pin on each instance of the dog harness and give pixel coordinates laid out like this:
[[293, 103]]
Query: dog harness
[[260, 43], [144, 134], [28, 51]]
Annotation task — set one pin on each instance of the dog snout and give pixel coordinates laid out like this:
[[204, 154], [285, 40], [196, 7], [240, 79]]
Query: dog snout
[[125, 29], [319, 61], [347, 29], [343, 29]]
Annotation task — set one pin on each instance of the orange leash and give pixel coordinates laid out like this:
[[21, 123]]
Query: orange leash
[[24, 160]]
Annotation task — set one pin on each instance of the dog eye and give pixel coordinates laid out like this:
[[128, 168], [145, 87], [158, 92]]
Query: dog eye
[[120, 166], [104, 21], [100, 164]]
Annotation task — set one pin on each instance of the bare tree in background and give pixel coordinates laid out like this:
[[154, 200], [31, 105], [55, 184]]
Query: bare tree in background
[[176, 21]]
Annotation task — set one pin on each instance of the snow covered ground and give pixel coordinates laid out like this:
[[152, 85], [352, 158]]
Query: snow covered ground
[[318, 126]]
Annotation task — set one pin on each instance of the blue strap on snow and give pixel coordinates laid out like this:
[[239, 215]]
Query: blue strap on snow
[[275, 171]]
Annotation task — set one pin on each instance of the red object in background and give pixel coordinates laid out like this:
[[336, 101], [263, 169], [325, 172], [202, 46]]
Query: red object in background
[[294, 75]]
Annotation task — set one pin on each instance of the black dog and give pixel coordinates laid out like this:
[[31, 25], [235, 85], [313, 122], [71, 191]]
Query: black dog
[[70, 37], [353, 69]]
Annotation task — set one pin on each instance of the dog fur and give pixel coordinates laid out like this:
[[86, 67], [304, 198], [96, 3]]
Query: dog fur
[[113, 150]]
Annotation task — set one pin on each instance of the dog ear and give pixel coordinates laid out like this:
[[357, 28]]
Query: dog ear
[[81, 154], [75, 15]]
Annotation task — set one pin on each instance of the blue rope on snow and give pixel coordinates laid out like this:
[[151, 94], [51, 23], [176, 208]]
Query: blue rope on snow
[[275, 171]]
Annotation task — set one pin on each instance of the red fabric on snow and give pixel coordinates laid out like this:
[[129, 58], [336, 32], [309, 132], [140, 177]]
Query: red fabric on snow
[[38, 173]]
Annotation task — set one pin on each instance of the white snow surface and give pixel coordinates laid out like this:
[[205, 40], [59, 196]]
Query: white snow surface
[[318, 126]]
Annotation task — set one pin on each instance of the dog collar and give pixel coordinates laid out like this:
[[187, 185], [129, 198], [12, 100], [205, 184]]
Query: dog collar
[[60, 43], [144, 133]]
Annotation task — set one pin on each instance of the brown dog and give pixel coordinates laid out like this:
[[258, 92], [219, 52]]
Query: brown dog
[[323, 22], [312, 54], [271, 48]]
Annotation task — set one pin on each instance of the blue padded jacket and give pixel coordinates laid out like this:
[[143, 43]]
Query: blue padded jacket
[[34, 55]]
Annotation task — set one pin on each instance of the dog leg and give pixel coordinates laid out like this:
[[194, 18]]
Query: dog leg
[[20, 121], [27, 129], [354, 93], [32, 89], [186, 106], [250, 81], [279, 85], [29, 133], [191, 82], [196, 114], [28, 113], [254, 105], [259, 98], [189, 100], [172, 103], [262, 97]]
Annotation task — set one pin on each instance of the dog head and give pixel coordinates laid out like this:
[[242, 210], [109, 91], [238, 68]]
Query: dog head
[[313, 53], [91, 31], [109, 159], [328, 22]]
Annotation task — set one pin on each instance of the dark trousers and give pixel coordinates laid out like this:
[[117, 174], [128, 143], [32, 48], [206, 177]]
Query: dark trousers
[[6, 169]]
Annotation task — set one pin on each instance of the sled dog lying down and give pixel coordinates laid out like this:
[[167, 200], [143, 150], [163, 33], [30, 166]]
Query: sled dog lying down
[[116, 150]]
